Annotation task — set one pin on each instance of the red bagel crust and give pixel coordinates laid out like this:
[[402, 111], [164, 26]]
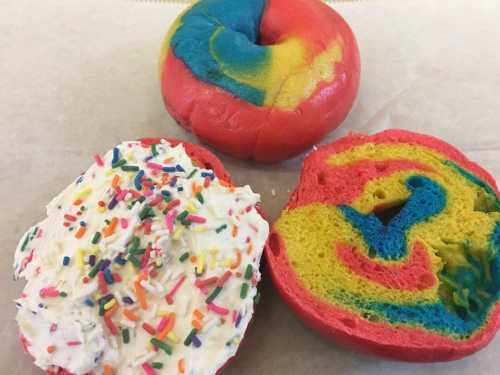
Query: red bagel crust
[[269, 134], [203, 158], [342, 326]]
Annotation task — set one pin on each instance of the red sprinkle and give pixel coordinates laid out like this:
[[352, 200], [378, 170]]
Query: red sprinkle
[[172, 204], [102, 283], [206, 183], [70, 217], [149, 328], [202, 283], [111, 326], [53, 327], [74, 343], [217, 309], [156, 200], [170, 295], [49, 292], [147, 226], [116, 277], [145, 258], [222, 280]]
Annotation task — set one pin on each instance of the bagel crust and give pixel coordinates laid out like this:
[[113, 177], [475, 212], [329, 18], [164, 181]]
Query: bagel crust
[[390, 244], [259, 79]]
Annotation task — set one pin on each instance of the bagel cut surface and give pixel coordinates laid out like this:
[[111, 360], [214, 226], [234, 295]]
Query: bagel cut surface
[[390, 244]]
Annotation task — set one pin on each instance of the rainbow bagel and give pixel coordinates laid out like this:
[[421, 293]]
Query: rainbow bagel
[[259, 79], [390, 244]]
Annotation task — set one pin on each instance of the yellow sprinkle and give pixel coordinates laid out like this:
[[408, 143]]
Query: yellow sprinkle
[[228, 261], [200, 228], [158, 262], [110, 304], [178, 233], [213, 259], [172, 337], [79, 258], [109, 172], [130, 156], [162, 313], [191, 208], [82, 194], [101, 209]]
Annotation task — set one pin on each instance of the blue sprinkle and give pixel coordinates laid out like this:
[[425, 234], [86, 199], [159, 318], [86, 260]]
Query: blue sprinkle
[[116, 155], [112, 203], [207, 174], [148, 158], [127, 300], [166, 193], [83, 223], [196, 341], [179, 168], [169, 169], [180, 188], [108, 277], [120, 260], [89, 302], [66, 261], [137, 180], [238, 320], [79, 179]]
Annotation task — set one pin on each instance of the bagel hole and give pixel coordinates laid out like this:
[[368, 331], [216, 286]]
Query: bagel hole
[[388, 212], [274, 244]]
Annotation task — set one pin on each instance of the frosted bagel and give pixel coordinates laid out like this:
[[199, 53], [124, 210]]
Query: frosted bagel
[[147, 263]]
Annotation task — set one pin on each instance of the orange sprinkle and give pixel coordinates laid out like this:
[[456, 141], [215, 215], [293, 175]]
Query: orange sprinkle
[[198, 314], [197, 324], [168, 327], [112, 310], [234, 232], [168, 160], [115, 182], [181, 365], [51, 349], [108, 369], [249, 249], [164, 179], [110, 229], [130, 315], [141, 295], [237, 262], [193, 258], [80, 232], [77, 202]]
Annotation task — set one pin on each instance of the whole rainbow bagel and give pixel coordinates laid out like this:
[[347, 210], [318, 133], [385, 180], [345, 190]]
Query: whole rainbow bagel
[[259, 79], [390, 244]]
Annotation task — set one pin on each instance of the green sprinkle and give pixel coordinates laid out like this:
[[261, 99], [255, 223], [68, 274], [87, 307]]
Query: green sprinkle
[[126, 335], [137, 251], [119, 163], [186, 222], [101, 309], [136, 262], [147, 211], [189, 337], [63, 294], [135, 243], [200, 198], [157, 365], [35, 231], [97, 238], [25, 242], [153, 149], [130, 168], [182, 215], [244, 291], [221, 228], [160, 344], [256, 299], [192, 173], [248, 272], [166, 193], [184, 256], [95, 269], [213, 295]]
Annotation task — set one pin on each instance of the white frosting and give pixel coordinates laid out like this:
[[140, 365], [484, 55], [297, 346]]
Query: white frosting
[[64, 331]]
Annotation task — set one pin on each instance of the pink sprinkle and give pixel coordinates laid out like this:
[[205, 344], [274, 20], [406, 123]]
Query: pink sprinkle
[[230, 212], [162, 323], [148, 193], [217, 309], [235, 315], [124, 223], [196, 219], [169, 220], [170, 295], [145, 258], [98, 160], [204, 290], [53, 327], [49, 292], [74, 343], [152, 165], [121, 195], [148, 369], [39, 233], [147, 226]]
